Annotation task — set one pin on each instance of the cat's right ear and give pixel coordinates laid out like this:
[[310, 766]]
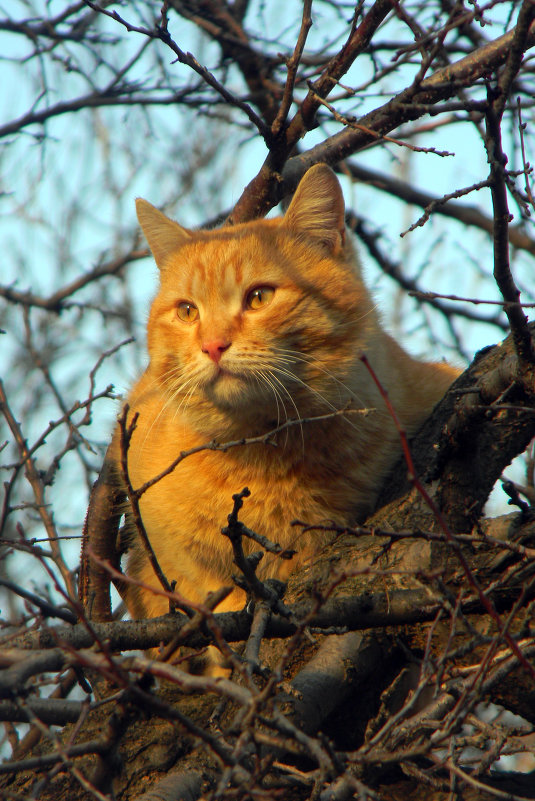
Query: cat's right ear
[[163, 235]]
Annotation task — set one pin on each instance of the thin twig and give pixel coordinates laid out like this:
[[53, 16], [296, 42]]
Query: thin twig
[[291, 65]]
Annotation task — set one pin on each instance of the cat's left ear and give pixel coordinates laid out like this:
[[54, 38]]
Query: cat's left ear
[[163, 235], [317, 208]]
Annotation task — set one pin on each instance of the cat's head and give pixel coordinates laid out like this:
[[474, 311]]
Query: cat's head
[[262, 318]]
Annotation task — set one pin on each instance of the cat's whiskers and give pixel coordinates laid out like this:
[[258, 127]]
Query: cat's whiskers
[[297, 356], [186, 396], [273, 382], [298, 416], [293, 377], [285, 371], [259, 375], [184, 403], [273, 364], [166, 378], [172, 390], [159, 379]]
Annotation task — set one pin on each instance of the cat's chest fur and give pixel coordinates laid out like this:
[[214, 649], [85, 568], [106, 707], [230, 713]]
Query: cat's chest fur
[[306, 469], [308, 472]]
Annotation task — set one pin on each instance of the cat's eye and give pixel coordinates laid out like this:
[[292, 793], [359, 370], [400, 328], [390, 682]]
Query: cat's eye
[[187, 312], [259, 297]]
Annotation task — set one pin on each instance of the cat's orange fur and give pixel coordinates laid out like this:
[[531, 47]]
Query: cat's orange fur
[[237, 372]]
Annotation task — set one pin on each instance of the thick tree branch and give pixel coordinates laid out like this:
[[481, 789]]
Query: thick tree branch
[[485, 420], [266, 189]]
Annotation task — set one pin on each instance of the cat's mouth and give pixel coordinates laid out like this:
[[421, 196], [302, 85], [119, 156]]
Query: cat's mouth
[[221, 374], [226, 385]]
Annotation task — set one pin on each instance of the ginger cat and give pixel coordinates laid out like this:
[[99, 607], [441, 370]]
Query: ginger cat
[[252, 325]]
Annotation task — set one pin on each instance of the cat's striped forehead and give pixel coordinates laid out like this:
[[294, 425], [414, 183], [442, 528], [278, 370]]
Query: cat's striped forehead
[[217, 269]]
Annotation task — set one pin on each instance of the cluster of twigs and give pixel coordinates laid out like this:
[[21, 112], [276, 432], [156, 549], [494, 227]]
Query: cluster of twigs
[[261, 736]]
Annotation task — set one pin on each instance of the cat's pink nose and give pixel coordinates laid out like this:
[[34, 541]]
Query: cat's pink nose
[[215, 349]]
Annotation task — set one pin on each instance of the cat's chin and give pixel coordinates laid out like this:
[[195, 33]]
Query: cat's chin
[[227, 387], [230, 391]]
